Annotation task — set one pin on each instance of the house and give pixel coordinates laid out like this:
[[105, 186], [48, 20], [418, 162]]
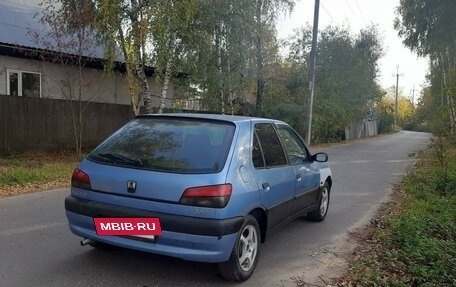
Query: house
[[36, 113], [24, 73]]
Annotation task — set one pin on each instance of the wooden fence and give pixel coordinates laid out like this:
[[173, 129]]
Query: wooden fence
[[41, 124], [361, 129]]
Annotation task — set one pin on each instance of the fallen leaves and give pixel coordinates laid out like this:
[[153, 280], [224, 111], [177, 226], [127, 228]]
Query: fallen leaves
[[29, 172], [32, 187]]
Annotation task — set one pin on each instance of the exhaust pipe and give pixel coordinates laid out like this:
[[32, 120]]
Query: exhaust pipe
[[86, 241]]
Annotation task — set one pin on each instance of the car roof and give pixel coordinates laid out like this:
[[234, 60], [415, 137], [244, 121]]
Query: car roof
[[228, 118]]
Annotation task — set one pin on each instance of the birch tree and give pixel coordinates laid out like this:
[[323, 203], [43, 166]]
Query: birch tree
[[219, 44], [125, 25], [232, 34], [172, 31]]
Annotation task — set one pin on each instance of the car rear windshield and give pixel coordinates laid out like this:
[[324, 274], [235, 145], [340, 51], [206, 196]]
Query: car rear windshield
[[168, 144]]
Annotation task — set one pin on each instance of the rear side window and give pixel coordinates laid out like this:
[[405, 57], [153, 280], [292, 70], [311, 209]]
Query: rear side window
[[168, 144], [257, 155], [270, 145]]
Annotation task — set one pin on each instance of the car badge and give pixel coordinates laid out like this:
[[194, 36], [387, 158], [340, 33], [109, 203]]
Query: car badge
[[131, 186]]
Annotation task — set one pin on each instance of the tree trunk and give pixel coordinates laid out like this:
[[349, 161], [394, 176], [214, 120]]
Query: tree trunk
[[131, 75], [80, 132], [144, 91], [74, 109], [452, 116], [449, 100], [260, 91], [259, 62], [451, 82], [135, 105], [78, 126], [219, 69], [166, 78], [230, 90], [132, 83], [168, 72]]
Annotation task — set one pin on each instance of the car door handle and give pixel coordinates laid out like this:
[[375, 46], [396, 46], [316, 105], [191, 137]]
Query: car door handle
[[298, 178], [266, 186]]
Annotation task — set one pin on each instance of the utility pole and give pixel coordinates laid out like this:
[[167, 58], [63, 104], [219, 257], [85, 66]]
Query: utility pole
[[413, 96], [395, 102], [313, 62]]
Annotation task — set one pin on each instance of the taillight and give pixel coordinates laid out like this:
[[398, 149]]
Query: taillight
[[80, 179], [207, 196]]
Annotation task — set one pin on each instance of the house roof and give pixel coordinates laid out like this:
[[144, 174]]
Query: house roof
[[18, 23], [16, 17]]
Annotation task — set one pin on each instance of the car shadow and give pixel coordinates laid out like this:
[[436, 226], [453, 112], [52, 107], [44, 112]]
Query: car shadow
[[124, 267]]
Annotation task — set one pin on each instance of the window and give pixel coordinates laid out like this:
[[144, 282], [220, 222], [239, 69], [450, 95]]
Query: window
[[297, 153], [169, 145], [270, 144], [21, 83], [257, 155]]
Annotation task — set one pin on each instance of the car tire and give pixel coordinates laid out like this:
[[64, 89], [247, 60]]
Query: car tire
[[245, 254], [323, 204]]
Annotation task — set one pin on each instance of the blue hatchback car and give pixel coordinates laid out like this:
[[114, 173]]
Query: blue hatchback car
[[212, 187]]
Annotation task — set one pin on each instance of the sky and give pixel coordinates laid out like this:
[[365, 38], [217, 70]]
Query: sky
[[356, 15]]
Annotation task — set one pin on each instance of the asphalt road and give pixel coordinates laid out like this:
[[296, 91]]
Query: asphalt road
[[37, 248]]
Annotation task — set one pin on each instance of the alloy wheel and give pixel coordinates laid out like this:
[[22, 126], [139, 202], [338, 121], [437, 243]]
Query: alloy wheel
[[248, 245], [324, 201]]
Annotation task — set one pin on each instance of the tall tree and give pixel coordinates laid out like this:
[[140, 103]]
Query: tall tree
[[427, 27], [266, 12], [240, 46], [172, 32], [368, 52], [125, 25], [346, 83], [223, 51]]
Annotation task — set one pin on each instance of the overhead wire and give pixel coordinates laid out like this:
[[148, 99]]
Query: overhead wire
[[351, 9], [361, 12], [329, 14]]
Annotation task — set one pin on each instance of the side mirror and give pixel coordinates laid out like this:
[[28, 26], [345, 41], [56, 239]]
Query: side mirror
[[320, 157]]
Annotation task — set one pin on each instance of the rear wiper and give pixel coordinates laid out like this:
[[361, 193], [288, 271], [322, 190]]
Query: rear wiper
[[122, 158]]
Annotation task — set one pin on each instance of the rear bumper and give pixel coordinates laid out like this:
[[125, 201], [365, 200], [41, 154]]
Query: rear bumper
[[169, 222], [188, 238]]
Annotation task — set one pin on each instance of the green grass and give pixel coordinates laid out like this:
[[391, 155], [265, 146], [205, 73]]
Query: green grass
[[19, 170], [415, 244]]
